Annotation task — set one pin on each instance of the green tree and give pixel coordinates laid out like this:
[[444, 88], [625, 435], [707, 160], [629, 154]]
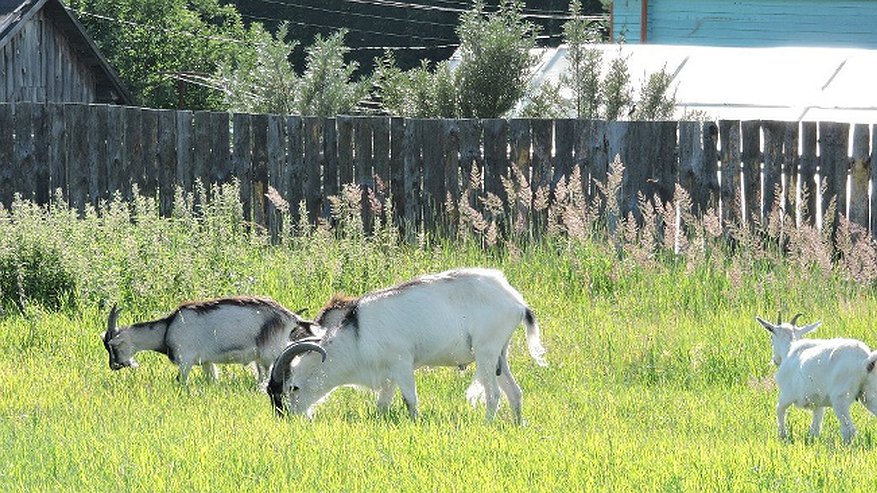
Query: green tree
[[265, 82], [268, 83], [156, 44], [608, 96], [583, 75], [655, 100], [495, 59], [491, 78], [418, 92], [326, 88]]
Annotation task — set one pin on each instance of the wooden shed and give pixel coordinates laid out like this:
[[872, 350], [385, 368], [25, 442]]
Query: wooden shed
[[46, 56]]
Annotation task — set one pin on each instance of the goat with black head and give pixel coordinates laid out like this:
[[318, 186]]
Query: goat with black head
[[225, 330]]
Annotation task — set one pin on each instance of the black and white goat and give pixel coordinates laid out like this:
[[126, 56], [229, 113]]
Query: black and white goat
[[377, 341], [225, 330]]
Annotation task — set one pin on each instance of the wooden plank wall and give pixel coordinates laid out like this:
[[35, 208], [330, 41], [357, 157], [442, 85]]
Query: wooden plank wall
[[91, 151], [38, 64]]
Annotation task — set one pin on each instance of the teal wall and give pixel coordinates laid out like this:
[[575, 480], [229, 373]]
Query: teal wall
[[848, 23]]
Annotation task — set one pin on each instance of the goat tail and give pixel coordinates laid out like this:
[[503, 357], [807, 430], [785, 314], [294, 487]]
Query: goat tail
[[534, 342], [869, 363]]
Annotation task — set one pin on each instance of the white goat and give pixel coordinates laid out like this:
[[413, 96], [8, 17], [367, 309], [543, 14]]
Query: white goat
[[816, 373], [377, 341], [225, 330]]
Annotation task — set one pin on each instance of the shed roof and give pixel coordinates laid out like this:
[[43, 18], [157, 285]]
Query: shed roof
[[15, 13], [781, 83]]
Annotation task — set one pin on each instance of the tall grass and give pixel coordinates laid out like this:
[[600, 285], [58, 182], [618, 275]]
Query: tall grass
[[659, 378]]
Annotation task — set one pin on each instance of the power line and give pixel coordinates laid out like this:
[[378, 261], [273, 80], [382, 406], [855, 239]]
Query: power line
[[537, 14], [381, 48], [379, 33], [357, 14]]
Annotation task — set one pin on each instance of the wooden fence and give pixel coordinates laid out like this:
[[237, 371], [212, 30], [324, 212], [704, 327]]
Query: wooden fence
[[89, 151]]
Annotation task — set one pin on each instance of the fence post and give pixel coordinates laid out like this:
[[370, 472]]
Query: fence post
[[6, 145], [242, 160], [259, 125], [167, 160], [773, 132], [411, 175], [294, 191], [396, 171], [833, 167], [809, 187], [860, 176], [313, 131], [433, 195], [76, 120], [277, 172], [729, 134], [345, 149], [42, 142], [750, 132]]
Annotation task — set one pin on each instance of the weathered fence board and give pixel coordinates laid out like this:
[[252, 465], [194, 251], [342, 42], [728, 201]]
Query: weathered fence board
[[241, 157], [97, 155], [294, 191], [751, 158], [773, 133], [167, 160], [42, 144], [90, 152], [259, 127], [277, 171], [411, 173], [433, 172], [729, 133], [381, 148], [76, 128], [313, 129], [833, 166], [809, 186], [396, 171], [860, 176]]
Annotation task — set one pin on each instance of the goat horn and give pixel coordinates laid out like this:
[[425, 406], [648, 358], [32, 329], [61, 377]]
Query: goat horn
[[780, 317], [301, 311], [281, 364], [111, 322], [795, 319]]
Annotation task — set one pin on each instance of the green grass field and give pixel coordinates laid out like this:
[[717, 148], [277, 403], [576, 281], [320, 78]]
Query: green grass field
[[659, 377]]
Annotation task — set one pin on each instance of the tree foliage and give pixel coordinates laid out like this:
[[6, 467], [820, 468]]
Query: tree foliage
[[608, 95], [495, 59], [267, 82], [583, 75], [491, 77], [153, 44]]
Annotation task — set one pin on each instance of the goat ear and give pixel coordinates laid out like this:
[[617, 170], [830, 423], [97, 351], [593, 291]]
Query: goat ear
[[767, 325], [809, 328]]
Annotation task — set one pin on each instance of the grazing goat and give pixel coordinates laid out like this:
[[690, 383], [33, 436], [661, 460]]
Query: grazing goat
[[377, 341], [817, 373], [225, 330]]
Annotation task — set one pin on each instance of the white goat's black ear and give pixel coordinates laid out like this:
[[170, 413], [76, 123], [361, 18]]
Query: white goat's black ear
[[767, 325]]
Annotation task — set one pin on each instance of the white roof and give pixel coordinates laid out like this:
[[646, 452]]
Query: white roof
[[787, 83]]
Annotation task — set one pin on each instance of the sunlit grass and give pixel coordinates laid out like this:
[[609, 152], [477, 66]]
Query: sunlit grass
[[659, 377]]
